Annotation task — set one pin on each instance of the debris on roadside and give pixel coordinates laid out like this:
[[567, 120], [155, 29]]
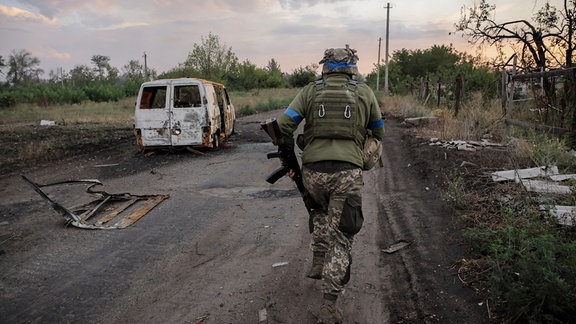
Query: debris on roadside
[[279, 264], [419, 121], [44, 122], [516, 175], [262, 315], [549, 183], [465, 145], [396, 246], [107, 211]]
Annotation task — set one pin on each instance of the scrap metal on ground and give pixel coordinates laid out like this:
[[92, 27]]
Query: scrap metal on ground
[[107, 211]]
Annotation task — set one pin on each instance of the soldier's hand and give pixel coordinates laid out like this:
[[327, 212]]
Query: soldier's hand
[[291, 174]]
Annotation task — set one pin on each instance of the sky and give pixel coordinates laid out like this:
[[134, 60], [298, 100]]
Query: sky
[[67, 33]]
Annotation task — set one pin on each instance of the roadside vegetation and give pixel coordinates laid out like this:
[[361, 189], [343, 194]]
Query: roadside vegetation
[[519, 259]]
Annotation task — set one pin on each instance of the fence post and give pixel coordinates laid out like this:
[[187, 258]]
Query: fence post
[[504, 90], [439, 93], [510, 96], [459, 90], [572, 79]]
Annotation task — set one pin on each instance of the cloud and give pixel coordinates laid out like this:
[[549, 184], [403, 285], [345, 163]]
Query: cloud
[[25, 15], [51, 53], [297, 4]]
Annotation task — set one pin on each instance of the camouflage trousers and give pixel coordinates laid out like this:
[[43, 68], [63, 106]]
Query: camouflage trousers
[[331, 190]]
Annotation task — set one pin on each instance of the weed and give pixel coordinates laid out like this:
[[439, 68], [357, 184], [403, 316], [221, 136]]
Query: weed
[[532, 277], [246, 110], [544, 149], [455, 191]]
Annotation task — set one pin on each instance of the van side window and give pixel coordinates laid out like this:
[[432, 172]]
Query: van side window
[[187, 96], [153, 97]]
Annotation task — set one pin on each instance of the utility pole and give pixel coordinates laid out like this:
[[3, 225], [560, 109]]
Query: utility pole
[[387, 33], [145, 68], [378, 73]]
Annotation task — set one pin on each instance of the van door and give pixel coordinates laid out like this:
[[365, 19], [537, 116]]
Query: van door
[[152, 116], [226, 111], [213, 116], [230, 113], [188, 114]]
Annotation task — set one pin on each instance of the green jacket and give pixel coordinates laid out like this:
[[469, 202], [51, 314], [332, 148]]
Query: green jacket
[[321, 149]]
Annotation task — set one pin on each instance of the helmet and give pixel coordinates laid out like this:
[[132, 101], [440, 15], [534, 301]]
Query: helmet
[[340, 60]]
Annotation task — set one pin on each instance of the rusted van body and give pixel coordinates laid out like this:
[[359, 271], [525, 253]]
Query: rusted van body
[[173, 113]]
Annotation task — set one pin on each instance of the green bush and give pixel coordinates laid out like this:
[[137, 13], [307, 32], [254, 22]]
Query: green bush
[[102, 92], [246, 110], [7, 100], [532, 278], [273, 104]]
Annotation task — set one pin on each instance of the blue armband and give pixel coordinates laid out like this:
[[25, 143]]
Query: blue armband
[[376, 124], [295, 116]]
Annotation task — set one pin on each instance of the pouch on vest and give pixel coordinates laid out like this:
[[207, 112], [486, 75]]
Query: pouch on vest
[[372, 153], [352, 218]]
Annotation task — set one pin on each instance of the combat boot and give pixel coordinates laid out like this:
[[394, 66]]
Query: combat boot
[[315, 271], [329, 312]]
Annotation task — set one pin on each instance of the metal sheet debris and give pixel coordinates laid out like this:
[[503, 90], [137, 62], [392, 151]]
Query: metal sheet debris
[[396, 246], [563, 177], [106, 211], [516, 175], [546, 187], [262, 315], [566, 215]]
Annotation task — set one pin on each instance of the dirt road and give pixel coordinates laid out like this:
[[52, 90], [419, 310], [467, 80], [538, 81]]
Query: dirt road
[[227, 247]]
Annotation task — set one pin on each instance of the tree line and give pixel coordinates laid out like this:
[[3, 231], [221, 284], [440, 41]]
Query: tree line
[[100, 81], [543, 42], [217, 62]]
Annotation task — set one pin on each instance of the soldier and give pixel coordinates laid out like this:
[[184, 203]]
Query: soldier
[[340, 113]]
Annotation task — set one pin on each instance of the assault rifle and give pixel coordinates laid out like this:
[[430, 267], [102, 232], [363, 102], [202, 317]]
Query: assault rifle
[[289, 162]]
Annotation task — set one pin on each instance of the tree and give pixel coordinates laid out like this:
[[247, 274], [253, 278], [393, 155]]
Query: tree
[[2, 64], [81, 75], [249, 76], [134, 70], [275, 78], [212, 60], [544, 42], [303, 75], [23, 67], [103, 69]]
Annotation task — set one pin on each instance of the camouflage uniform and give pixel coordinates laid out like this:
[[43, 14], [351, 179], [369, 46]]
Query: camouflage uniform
[[332, 168], [330, 191]]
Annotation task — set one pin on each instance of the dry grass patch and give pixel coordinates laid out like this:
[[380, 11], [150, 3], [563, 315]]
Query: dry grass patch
[[476, 120]]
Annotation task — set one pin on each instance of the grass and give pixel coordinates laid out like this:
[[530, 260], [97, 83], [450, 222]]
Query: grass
[[248, 103], [79, 128], [476, 120], [116, 113]]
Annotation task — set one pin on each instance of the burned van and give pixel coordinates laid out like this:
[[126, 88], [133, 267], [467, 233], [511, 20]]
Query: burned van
[[179, 113]]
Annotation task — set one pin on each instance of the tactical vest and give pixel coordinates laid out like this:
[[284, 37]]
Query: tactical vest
[[334, 114]]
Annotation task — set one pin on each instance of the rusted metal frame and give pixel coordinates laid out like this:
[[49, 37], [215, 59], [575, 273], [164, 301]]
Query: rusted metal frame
[[59, 208], [80, 220]]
